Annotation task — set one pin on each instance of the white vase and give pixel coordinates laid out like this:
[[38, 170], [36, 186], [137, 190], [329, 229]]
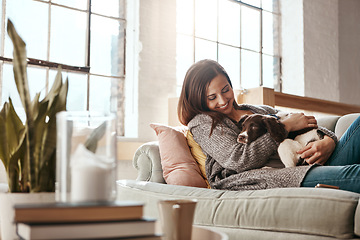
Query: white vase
[[7, 201]]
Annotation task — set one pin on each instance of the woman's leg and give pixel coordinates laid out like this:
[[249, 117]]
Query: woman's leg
[[347, 151], [345, 177]]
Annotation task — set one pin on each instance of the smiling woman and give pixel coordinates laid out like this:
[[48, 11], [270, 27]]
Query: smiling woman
[[220, 96]]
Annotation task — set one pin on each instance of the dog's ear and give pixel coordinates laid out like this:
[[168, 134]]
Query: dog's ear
[[275, 128], [240, 122]]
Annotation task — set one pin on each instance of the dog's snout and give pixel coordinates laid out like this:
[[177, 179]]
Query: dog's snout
[[242, 138]]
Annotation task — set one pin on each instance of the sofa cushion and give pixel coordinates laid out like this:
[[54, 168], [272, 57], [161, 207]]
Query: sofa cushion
[[179, 167], [357, 220], [316, 211]]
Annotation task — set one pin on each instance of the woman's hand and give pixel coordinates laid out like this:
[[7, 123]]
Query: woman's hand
[[298, 121], [318, 152]]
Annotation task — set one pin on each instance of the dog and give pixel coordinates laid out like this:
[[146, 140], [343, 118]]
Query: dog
[[255, 125]]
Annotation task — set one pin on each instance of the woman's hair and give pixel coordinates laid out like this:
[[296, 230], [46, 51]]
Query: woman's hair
[[193, 97]]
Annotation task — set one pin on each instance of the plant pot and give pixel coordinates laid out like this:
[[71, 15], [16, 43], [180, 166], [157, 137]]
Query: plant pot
[[7, 201]]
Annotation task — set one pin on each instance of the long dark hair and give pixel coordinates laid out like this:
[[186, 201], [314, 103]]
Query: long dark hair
[[193, 99]]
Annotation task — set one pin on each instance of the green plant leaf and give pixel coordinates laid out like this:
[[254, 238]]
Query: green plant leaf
[[11, 129], [95, 136], [20, 75], [17, 164], [20, 65]]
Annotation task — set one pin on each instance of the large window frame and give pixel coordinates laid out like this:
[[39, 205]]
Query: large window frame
[[249, 64], [85, 78]]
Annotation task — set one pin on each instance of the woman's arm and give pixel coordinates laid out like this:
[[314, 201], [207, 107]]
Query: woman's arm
[[298, 121], [315, 152]]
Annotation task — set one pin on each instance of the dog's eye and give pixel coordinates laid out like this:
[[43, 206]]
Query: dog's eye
[[253, 127]]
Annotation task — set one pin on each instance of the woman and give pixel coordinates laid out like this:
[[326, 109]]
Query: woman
[[207, 106]]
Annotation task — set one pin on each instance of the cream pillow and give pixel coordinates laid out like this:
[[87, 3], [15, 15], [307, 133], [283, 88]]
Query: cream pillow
[[179, 166]]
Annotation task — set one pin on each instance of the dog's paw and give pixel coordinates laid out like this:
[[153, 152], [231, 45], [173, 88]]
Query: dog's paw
[[301, 162]]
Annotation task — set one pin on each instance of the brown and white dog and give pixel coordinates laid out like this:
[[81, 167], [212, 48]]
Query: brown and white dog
[[255, 125]]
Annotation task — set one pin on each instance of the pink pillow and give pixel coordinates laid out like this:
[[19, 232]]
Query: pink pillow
[[179, 166]]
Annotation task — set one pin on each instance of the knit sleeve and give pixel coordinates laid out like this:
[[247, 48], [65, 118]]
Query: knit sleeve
[[225, 150], [328, 133]]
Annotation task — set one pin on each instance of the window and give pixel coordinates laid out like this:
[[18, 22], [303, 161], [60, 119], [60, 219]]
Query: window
[[241, 35], [85, 38]]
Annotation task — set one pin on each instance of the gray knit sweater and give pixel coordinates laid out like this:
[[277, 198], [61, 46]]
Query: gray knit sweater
[[236, 166]]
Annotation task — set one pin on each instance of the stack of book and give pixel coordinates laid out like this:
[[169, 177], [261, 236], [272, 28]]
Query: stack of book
[[115, 220]]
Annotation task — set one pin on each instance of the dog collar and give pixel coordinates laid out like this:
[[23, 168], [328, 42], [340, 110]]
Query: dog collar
[[275, 116]]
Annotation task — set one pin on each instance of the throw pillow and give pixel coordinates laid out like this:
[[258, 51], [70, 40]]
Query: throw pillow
[[198, 154], [179, 166]]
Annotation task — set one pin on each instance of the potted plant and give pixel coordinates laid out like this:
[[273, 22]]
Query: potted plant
[[28, 150]]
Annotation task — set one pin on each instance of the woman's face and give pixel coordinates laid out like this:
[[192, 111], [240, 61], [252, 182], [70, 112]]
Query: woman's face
[[220, 95]]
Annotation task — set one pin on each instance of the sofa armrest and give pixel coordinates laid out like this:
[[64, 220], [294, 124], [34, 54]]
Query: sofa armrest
[[147, 161], [328, 122], [344, 123]]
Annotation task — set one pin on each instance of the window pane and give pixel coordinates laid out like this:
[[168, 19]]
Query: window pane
[[26, 15], [205, 50], [184, 56], [185, 16], [67, 43], [206, 19], [100, 94], [114, 8], [229, 58], [255, 3], [229, 15], [250, 67], [9, 90], [270, 34], [107, 46], [81, 4], [271, 5], [9, 87], [270, 72], [76, 100], [250, 28], [37, 84], [37, 81]]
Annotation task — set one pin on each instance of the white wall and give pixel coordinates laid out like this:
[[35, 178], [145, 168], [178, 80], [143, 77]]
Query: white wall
[[349, 51], [326, 64], [321, 49], [157, 62], [292, 50]]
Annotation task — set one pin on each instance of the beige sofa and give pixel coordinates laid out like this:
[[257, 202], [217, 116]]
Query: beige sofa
[[284, 213]]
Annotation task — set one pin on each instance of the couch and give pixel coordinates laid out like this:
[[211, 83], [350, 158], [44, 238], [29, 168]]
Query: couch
[[282, 213]]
